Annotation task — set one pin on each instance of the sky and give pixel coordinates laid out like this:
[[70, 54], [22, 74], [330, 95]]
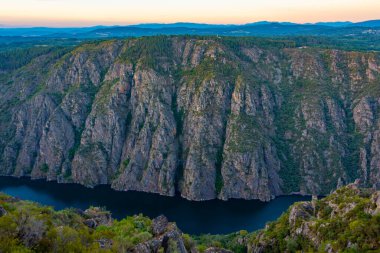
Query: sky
[[68, 13]]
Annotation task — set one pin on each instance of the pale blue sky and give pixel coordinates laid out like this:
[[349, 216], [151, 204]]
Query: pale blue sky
[[109, 12]]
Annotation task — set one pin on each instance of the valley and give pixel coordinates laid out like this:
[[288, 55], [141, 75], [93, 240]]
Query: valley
[[206, 117]]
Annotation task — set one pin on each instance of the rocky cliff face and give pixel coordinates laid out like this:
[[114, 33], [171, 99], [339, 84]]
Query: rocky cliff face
[[205, 117]]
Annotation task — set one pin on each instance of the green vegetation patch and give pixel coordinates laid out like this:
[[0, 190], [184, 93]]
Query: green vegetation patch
[[149, 52], [245, 133]]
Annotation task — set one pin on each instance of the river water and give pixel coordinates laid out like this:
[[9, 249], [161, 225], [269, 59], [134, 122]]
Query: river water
[[215, 216]]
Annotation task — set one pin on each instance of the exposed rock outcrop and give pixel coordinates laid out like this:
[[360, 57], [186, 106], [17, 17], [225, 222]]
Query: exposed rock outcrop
[[2, 211], [205, 117], [343, 221], [167, 237], [95, 217]]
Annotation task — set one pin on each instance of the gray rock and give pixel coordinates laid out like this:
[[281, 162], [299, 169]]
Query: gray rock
[[159, 225], [105, 243], [285, 122], [2, 211], [97, 217], [170, 241], [91, 223], [302, 211]]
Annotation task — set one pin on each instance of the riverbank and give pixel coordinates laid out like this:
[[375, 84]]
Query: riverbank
[[348, 220], [191, 216]]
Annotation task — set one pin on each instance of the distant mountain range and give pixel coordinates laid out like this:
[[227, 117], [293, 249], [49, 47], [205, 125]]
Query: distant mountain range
[[262, 28]]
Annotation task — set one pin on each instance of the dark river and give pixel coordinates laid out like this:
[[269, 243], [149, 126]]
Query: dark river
[[215, 216]]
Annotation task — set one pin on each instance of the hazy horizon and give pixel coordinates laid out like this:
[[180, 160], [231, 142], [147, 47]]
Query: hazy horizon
[[85, 13], [176, 22]]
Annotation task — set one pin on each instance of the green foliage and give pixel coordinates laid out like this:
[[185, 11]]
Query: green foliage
[[104, 95], [28, 227], [363, 42], [148, 52], [127, 233], [235, 44], [125, 163], [18, 57], [208, 69], [246, 133], [219, 183], [188, 241], [340, 220], [44, 168], [67, 174], [230, 241]]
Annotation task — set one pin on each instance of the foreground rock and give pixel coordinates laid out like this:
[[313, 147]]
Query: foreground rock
[[2, 211], [97, 217], [347, 220], [167, 238], [170, 241]]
